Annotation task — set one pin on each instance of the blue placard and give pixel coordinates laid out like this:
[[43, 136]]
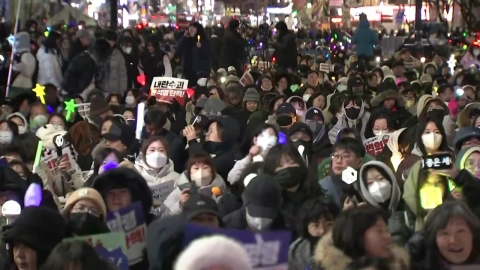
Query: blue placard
[[115, 257], [265, 249]]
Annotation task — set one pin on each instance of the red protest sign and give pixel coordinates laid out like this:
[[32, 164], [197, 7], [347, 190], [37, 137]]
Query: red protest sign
[[246, 79], [375, 145], [166, 89]]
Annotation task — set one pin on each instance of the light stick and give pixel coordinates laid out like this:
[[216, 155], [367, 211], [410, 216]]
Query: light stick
[[33, 196], [38, 155], [140, 115], [12, 54], [70, 107], [40, 92]]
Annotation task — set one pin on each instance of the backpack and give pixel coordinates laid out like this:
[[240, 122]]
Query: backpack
[[17, 59]]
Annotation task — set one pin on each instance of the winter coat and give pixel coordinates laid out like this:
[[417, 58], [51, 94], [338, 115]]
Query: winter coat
[[286, 51], [76, 48], [329, 257], [155, 65], [344, 122], [324, 167], [399, 112], [364, 38], [233, 51], [173, 200], [80, 74], [49, 67], [300, 255], [26, 69], [399, 223], [201, 57], [156, 179], [115, 78]]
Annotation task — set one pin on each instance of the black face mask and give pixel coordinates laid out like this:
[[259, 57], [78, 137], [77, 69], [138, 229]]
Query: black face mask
[[290, 177], [284, 120], [82, 224], [436, 114], [352, 113], [212, 147]]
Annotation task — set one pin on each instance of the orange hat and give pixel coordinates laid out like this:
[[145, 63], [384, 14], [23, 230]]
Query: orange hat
[[85, 193]]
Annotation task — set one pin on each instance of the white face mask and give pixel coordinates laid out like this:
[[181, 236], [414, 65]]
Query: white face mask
[[476, 52], [432, 141], [380, 191], [130, 100], [6, 137], [379, 132], [40, 120], [156, 160], [22, 129], [306, 97], [127, 50], [258, 223], [266, 141], [202, 178]]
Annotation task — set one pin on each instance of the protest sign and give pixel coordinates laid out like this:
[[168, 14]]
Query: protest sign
[[246, 79], [50, 158], [267, 250], [161, 191], [131, 221], [109, 246], [166, 89], [375, 145]]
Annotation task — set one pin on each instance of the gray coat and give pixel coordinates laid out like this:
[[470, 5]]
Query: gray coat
[[114, 79]]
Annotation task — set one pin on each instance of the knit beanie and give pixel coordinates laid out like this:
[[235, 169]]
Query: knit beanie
[[251, 95], [85, 194]]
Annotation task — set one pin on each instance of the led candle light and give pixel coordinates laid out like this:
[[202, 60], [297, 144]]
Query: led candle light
[[140, 115], [33, 196], [198, 38], [38, 155]]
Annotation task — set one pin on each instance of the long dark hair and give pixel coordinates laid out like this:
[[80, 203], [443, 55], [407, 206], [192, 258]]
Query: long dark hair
[[50, 43], [200, 30]]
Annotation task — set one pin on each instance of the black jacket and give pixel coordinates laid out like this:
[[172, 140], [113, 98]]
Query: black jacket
[[233, 51], [76, 49], [286, 51], [79, 74]]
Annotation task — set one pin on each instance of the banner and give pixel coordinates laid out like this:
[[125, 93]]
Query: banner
[[166, 89], [131, 221], [246, 79], [161, 191], [109, 246], [375, 145], [267, 250]]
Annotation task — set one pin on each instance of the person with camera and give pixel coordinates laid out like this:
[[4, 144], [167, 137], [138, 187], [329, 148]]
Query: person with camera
[[233, 48], [285, 47]]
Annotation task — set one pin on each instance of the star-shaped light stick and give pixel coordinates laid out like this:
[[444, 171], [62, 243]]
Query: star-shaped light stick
[[70, 107], [40, 91]]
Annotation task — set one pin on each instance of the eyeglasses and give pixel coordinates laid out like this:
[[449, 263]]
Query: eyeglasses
[[471, 165], [469, 144], [85, 209], [341, 157]]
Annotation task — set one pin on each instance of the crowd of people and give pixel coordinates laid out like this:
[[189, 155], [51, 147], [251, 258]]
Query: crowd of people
[[375, 167]]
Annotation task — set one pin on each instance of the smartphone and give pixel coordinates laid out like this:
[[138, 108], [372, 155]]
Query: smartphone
[[443, 161]]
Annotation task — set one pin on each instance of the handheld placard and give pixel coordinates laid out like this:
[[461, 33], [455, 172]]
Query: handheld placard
[[11, 210], [38, 155], [33, 196], [140, 115]]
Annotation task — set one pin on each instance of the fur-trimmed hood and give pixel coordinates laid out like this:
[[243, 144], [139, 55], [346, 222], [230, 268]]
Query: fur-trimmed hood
[[389, 94], [329, 257], [463, 119]]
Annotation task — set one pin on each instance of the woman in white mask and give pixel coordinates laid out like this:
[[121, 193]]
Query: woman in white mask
[[7, 130], [157, 169], [199, 176], [264, 138], [424, 190], [130, 98], [379, 187]]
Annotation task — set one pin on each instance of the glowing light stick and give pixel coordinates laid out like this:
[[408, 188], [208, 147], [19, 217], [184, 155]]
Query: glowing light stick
[[140, 115], [38, 155], [33, 196], [70, 107], [40, 92]]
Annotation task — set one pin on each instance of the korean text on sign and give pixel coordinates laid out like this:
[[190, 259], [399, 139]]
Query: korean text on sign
[[131, 221], [375, 145], [166, 89], [50, 158]]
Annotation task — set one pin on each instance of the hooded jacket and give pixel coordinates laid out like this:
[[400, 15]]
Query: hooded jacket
[[345, 122], [329, 257], [399, 112], [156, 178], [464, 116], [399, 221], [364, 38], [322, 148], [468, 182], [27, 65], [115, 76]]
